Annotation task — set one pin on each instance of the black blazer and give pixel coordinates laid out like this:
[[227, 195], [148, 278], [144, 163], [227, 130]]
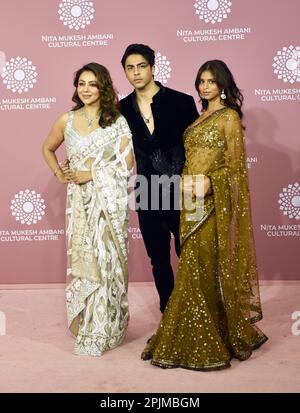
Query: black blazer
[[172, 112]]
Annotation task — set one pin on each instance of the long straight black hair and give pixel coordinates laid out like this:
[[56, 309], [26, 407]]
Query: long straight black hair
[[224, 79]]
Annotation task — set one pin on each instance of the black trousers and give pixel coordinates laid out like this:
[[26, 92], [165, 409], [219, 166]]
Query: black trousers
[[156, 228]]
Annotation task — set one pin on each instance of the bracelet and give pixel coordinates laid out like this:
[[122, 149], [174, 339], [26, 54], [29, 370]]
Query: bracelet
[[56, 170]]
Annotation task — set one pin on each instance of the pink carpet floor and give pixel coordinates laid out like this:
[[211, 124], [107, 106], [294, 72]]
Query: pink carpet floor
[[36, 348]]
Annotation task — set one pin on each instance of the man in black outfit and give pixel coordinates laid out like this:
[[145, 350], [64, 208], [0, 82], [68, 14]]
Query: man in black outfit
[[157, 117]]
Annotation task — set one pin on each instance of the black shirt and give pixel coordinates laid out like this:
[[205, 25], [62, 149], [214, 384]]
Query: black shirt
[[172, 112]]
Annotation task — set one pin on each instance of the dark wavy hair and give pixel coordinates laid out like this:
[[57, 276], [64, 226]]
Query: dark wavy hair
[[142, 49], [109, 101], [224, 79]]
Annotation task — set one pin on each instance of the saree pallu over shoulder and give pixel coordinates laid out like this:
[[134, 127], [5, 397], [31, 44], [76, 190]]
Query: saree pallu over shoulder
[[97, 220]]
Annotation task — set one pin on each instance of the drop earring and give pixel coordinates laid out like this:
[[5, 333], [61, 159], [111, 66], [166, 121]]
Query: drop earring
[[223, 96]]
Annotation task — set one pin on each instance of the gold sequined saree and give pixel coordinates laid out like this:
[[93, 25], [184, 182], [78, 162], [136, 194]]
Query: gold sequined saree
[[215, 302]]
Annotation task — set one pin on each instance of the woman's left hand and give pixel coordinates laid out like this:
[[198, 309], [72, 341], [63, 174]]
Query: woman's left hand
[[206, 186], [79, 177]]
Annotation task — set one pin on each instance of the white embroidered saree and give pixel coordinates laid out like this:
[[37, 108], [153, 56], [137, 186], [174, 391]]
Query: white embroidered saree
[[96, 230]]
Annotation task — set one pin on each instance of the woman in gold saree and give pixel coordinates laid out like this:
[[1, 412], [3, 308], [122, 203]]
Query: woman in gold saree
[[211, 313], [100, 159]]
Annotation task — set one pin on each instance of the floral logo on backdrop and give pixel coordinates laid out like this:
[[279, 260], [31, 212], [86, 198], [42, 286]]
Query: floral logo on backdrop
[[212, 11], [76, 14], [19, 74], [162, 69], [289, 201], [287, 64], [28, 207]]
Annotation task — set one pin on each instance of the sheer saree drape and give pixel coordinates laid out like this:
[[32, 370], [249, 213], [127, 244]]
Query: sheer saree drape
[[209, 317], [96, 222]]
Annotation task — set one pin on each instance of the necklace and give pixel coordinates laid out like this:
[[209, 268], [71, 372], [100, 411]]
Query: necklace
[[90, 121], [209, 112], [147, 120]]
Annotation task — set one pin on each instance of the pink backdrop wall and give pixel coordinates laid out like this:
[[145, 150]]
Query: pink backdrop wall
[[44, 42]]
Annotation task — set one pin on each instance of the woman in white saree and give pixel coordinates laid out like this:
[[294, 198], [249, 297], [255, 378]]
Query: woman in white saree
[[100, 161]]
